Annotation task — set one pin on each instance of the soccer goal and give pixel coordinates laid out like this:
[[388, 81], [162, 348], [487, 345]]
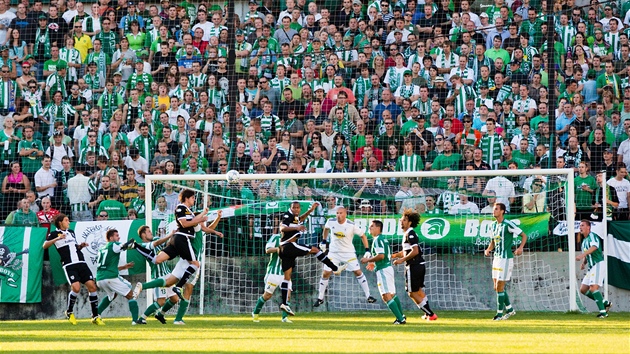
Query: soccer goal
[[456, 214]]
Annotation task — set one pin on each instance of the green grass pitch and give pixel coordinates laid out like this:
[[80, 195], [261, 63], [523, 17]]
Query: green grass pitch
[[366, 332]]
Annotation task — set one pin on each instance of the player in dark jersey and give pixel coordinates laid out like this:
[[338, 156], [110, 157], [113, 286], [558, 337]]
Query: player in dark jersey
[[291, 227], [187, 225], [411, 255], [77, 271]]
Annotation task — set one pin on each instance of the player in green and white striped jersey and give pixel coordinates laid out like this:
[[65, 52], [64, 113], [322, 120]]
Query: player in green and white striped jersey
[[177, 273], [592, 259], [503, 234], [273, 277], [108, 277], [162, 270], [380, 262]]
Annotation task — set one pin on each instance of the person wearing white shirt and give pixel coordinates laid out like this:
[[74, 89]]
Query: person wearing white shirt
[[622, 187], [338, 236], [464, 206], [45, 181], [139, 164], [204, 24], [71, 12], [80, 197], [176, 111], [504, 189], [623, 153], [318, 164]]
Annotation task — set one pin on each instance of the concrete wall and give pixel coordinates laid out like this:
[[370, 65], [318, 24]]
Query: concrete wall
[[458, 281]]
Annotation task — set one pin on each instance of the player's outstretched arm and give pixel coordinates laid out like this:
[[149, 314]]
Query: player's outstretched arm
[[309, 211]]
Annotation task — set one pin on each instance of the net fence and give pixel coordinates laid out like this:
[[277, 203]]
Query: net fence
[[454, 231]]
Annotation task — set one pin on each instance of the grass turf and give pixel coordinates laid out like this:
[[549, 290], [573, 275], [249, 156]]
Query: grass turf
[[367, 332]]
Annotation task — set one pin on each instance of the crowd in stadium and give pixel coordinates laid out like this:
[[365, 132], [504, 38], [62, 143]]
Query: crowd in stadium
[[94, 97]]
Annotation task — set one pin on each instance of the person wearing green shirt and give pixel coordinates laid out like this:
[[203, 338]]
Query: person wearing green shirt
[[25, 216], [175, 276], [115, 209], [108, 277], [496, 51], [585, 186], [523, 157], [273, 277], [31, 151], [138, 203], [503, 233], [592, 260], [380, 262], [446, 161], [609, 78]]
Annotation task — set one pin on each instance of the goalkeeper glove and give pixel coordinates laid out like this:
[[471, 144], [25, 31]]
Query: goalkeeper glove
[[367, 254]]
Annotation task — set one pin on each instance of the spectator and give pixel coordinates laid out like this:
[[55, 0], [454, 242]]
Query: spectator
[[24, 216], [112, 207], [80, 190], [47, 214], [14, 187]]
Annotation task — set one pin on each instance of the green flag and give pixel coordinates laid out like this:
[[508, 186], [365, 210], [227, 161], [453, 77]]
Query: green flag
[[21, 262], [619, 254]]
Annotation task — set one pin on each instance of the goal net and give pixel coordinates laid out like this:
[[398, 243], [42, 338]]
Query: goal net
[[456, 214]]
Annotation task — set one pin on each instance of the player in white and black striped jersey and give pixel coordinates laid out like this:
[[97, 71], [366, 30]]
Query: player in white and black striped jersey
[[291, 227], [415, 269], [77, 271]]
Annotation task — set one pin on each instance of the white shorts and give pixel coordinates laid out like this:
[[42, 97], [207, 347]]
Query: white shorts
[[163, 293], [272, 281], [114, 286], [350, 258], [502, 268], [595, 275], [180, 269], [385, 281]]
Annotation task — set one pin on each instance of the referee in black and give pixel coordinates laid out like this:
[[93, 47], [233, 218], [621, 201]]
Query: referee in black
[[415, 269]]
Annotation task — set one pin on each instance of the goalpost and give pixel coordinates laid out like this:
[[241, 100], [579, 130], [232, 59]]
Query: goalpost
[[458, 275]]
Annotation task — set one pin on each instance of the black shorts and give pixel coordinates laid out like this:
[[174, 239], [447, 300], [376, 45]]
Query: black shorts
[[78, 272], [414, 277], [289, 252], [180, 246]]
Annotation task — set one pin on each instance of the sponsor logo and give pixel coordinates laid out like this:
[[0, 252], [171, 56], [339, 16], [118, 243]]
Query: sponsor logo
[[435, 228]]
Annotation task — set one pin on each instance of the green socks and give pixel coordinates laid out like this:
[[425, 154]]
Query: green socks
[[155, 283], [133, 308], [167, 306], [397, 300], [104, 304], [151, 309], [506, 301], [181, 311], [589, 295], [500, 302], [393, 306], [599, 300], [259, 305]]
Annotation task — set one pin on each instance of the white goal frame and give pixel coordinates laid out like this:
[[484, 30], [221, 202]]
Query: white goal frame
[[570, 201]]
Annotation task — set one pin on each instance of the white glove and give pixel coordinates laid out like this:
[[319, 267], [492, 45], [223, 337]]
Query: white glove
[[323, 246], [367, 254]]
